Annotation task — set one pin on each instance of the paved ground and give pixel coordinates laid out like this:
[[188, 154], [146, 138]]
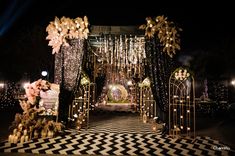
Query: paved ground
[[220, 127]]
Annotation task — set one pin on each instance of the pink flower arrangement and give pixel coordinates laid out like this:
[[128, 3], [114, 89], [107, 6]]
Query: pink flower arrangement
[[32, 91]]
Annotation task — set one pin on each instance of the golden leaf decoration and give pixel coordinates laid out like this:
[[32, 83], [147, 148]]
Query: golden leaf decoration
[[60, 30], [166, 32]]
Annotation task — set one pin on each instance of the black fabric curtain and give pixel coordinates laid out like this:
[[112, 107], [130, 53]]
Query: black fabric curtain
[[67, 72], [158, 68]]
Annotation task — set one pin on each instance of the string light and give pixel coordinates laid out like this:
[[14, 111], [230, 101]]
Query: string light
[[75, 115]]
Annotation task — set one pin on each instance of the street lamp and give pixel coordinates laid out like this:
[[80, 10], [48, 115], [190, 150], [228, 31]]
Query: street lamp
[[44, 73], [233, 83]]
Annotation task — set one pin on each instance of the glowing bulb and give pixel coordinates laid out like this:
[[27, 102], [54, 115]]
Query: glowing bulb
[[181, 117], [188, 128], [44, 73], [1, 85], [174, 110], [188, 111], [233, 82], [181, 127]]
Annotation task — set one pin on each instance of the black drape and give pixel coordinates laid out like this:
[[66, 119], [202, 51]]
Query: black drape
[[68, 64], [159, 66]]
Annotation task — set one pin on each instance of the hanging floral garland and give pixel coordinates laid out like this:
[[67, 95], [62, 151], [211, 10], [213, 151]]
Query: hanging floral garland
[[65, 28], [166, 32]]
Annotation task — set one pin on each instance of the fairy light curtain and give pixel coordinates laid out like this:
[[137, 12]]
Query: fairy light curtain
[[122, 57], [162, 42], [122, 53], [159, 65], [67, 36], [181, 103], [68, 64]]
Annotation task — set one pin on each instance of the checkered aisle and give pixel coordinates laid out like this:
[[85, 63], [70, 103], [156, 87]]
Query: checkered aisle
[[119, 136]]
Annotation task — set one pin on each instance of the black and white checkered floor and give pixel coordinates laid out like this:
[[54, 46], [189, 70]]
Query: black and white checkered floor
[[103, 139]]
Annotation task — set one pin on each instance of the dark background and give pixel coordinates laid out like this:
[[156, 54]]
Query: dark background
[[207, 40]]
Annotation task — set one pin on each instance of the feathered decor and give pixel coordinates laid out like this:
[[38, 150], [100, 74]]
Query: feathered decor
[[166, 32], [65, 28]]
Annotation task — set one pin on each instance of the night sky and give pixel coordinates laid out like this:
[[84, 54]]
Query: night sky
[[207, 37]]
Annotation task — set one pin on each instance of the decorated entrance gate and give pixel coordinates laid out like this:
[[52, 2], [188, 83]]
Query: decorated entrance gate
[[117, 60]]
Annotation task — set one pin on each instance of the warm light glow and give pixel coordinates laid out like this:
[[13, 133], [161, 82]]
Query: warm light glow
[[174, 110], [181, 117], [182, 74], [233, 82], [129, 83], [181, 127], [75, 115], [1, 85], [188, 111], [44, 73], [154, 127]]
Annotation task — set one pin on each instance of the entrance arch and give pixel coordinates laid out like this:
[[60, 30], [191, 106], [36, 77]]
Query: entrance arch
[[181, 103]]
